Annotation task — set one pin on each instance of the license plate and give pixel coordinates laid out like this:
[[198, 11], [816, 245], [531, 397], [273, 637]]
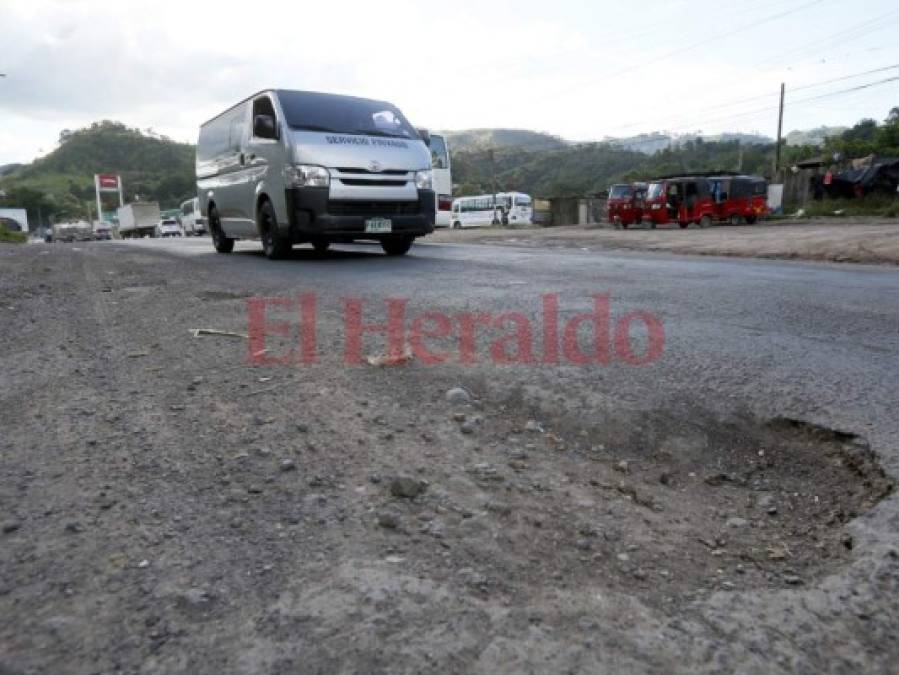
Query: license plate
[[378, 225]]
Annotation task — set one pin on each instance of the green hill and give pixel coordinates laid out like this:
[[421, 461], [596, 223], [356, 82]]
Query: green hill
[[589, 168], [484, 139], [61, 184]]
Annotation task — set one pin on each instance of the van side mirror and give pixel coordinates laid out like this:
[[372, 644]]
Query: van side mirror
[[264, 126], [425, 135]]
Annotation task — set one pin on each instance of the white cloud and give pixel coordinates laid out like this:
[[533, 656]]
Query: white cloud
[[548, 66]]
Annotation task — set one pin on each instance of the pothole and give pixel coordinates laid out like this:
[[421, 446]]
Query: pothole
[[665, 508], [671, 510]]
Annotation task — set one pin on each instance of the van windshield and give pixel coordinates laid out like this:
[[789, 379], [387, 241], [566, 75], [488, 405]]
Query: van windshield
[[620, 192], [313, 111], [655, 190]]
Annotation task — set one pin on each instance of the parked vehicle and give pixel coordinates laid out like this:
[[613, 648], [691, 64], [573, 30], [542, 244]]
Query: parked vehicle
[[625, 204], [443, 179], [681, 199], [168, 227], [192, 221], [102, 231], [138, 220], [739, 198], [517, 208], [292, 167], [476, 211], [79, 230]]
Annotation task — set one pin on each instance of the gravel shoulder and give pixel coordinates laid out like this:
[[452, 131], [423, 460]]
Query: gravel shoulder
[[168, 507], [859, 240]]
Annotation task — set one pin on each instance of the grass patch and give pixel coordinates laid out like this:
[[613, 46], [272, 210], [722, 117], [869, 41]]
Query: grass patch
[[12, 237], [884, 206]]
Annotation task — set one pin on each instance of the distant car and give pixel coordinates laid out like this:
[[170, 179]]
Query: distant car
[[192, 220], [169, 227], [102, 233]]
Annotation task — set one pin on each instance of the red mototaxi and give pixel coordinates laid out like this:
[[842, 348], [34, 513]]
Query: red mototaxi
[[625, 203], [740, 198], [682, 200]]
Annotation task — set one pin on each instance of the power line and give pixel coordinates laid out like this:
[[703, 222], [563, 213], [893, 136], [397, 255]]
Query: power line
[[853, 32], [702, 121], [803, 87], [695, 45]]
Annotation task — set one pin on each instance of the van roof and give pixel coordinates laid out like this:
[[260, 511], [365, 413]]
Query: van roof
[[273, 90]]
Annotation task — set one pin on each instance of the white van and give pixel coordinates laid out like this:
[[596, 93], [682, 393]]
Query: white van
[[291, 167], [192, 221]]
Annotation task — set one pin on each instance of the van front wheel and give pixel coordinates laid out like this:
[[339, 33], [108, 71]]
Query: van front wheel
[[222, 243], [397, 245], [274, 244]]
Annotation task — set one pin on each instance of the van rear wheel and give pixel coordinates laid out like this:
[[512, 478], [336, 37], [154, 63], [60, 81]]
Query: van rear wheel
[[274, 244], [734, 219], [705, 221], [321, 245], [221, 243], [397, 245]]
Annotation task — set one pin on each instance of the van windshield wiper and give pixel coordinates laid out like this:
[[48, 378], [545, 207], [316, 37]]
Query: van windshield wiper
[[315, 127], [376, 132]]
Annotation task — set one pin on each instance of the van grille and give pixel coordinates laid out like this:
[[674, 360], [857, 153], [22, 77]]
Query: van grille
[[386, 172], [362, 182], [369, 208]]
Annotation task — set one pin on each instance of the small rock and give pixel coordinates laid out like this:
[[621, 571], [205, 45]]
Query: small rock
[[459, 417], [665, 478], [737, 522], [718, 479], [772, 511], [623, 557], [468, 427], [375, 478], [623, 466], [388, 521], [792, 580], [533, 426], [406, 488], [458, 396], [143, 564], [639, 574], [288, 465], [74, 527], [584, 544], [11, 526], [765, 501], [302, 428]]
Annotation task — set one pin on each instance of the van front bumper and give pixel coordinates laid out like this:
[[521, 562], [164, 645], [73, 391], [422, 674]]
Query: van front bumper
[[314, 216]]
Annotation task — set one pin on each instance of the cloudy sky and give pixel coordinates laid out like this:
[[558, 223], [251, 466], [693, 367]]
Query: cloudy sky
[[578, 68]]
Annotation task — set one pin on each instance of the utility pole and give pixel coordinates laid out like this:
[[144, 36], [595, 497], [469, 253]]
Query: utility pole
[[780, 125], [492, 156]]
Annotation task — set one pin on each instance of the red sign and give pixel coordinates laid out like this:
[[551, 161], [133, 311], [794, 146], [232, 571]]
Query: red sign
[[108, 181]]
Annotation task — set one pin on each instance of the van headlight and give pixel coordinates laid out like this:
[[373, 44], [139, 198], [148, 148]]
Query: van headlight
[[306, 175], [424, 180]]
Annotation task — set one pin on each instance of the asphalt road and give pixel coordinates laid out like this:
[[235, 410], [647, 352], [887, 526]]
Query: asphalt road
[[168, 505], [812, 340]]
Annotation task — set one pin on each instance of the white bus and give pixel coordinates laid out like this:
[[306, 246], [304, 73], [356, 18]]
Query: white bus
[[443, 180], [504, 208], [476, 211]]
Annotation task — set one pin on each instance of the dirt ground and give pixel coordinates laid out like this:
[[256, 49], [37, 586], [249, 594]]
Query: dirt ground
[[167, 508], [863, 240]]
